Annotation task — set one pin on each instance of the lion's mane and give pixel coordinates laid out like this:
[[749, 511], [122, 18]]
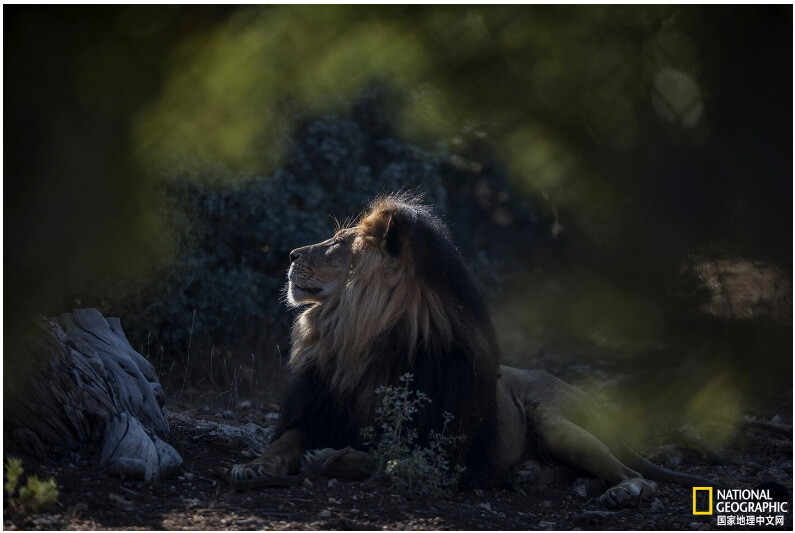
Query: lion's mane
[[410, 304]]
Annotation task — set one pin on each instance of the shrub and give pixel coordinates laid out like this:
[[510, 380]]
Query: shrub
[[232, 235], [414, 471], [34, 496]]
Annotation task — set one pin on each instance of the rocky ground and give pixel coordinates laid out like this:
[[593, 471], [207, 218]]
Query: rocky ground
[[197, 496]]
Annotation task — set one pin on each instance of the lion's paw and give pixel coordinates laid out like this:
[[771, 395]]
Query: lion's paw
[[628, 493], [264, 466]]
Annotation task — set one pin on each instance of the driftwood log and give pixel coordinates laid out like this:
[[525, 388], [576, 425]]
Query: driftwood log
[[85, 388]]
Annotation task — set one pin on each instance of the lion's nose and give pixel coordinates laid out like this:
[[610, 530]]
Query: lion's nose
[[294, 255]]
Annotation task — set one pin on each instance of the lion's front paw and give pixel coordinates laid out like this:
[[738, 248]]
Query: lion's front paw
[[264, 466], [628, 493]]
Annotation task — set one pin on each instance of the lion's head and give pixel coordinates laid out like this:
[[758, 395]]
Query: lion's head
[[396, 268], [319, 271]]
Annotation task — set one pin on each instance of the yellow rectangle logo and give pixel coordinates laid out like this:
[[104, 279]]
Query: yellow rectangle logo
[[695, 491]]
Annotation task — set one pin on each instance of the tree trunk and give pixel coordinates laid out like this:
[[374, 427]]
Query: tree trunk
[[84, 388]]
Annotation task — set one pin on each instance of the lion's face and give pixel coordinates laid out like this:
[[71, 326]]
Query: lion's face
[[318, 271]]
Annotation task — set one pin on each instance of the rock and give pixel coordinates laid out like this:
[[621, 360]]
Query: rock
[[49, 523], [325, 513], [656, 505], [306, 483], [546, 525]]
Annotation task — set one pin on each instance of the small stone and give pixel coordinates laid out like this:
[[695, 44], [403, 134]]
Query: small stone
[[656, 505], [332, 500], [695, 525], [355, 510], [46, 522], [546, 525], [478, 493], [325, 513], [306, 483], [245, 404], [333, 481]]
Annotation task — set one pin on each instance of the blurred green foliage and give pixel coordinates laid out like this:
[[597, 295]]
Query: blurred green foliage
[[232, 234], [597, 152], [34, 496]]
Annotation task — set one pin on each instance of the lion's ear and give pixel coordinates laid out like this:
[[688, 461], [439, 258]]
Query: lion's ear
[[390, 242]]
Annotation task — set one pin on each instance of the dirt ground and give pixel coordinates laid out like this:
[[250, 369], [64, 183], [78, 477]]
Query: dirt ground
[[197, 496]]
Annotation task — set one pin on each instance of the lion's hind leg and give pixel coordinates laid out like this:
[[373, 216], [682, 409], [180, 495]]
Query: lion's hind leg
[[575, 446], [281, 458]]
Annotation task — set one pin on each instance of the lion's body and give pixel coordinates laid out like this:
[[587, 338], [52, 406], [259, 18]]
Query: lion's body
[[392, 295]]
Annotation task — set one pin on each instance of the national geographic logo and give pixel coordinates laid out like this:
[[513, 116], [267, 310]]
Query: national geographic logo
[[702, 500], [742, 507]]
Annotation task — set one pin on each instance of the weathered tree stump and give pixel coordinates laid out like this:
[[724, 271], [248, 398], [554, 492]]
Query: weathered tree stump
[[85, 387]]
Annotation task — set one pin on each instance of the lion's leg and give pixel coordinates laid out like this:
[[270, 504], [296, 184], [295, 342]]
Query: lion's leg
[[572, 444], [282, 457]]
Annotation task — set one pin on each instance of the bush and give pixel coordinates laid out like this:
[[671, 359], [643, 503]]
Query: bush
[[232, 235], [34, 496], [413, 471]]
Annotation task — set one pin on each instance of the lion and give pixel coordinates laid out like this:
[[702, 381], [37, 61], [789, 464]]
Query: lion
[[392, 295]]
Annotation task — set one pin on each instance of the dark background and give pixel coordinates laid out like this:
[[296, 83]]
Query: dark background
[[620, 178]]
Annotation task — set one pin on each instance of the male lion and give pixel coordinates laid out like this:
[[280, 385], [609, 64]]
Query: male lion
[[392, 295]]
